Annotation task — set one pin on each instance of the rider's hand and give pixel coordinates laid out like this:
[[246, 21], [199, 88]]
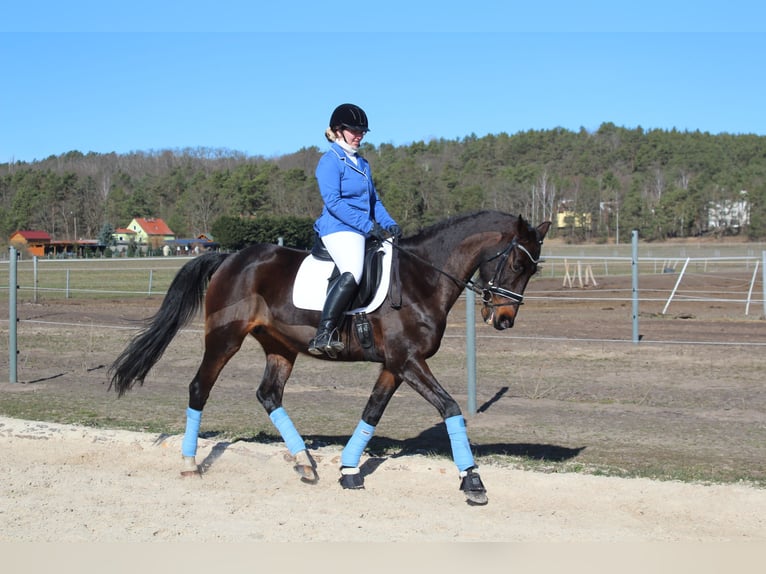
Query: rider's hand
[[378, 232], [394, 231]]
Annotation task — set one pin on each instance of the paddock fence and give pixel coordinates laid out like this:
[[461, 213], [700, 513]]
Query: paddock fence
[[734, 282], [732, 285], [665, 281]]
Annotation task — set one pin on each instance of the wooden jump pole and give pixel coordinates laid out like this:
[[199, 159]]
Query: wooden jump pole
[[675, 288], [750, 290]]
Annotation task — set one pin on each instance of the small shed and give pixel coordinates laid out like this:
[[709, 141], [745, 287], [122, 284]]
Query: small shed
[[33, 242], [194, 245]]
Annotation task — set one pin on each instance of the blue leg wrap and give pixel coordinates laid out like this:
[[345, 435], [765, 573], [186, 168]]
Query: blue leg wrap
[[352, 452], [458, 438], [286, 428], [189, 444]]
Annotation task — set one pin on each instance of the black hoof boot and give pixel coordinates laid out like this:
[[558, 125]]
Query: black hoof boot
[[351, 478], [473, 488]]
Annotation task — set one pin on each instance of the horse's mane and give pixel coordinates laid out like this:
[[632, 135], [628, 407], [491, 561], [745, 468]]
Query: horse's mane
[[438, 229]]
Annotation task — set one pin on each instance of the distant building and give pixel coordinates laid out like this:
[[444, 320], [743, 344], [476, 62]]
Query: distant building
[[151, 231], [123, 235], [144, 233], [192, 246], [570, 219], [729, 214], [33, 242]]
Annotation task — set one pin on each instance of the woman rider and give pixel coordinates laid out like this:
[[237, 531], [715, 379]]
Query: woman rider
[[352, 212]]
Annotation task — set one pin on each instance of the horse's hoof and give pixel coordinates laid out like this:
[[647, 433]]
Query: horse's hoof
[[476, 498], [190, 467], [307, 473], [351, 479], [306, 467], [473, 488]]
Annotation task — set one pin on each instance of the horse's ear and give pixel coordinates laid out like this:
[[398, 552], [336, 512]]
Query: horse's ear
[[542, 229]]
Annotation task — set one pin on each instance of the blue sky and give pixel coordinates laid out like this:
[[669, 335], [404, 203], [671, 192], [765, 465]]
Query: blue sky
[[263, 80]]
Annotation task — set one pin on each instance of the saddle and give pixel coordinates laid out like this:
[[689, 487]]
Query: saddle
[[371, 275], [317, 273]]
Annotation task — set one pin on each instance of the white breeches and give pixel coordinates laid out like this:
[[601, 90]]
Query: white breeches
[[347, 251]]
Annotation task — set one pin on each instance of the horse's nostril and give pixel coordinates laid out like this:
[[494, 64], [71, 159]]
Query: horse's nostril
[[504, 322]]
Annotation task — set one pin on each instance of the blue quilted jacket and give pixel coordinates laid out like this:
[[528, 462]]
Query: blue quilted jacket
[[351, 202]]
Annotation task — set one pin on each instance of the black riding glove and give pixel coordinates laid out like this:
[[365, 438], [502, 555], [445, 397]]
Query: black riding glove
[[394, 231], [378, 232]]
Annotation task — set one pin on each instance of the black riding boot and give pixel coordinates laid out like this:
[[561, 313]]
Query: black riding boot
[[337, 302]]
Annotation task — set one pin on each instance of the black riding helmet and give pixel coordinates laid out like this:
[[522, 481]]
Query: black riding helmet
[[349, 116]]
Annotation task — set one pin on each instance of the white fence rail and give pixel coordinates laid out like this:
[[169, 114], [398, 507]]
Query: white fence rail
[[736, 280], [731, 280]]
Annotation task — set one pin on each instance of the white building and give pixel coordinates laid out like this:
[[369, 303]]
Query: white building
[[731, 214]]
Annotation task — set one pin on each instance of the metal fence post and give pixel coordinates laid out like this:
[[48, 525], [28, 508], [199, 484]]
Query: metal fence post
[[470, 348], [35, 279], [12, 317], [634, 265]]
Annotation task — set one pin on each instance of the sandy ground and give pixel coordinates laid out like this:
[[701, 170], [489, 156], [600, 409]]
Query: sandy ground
[[62, 483]]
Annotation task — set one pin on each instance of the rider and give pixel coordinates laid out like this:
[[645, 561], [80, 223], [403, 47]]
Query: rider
[[352, 212]]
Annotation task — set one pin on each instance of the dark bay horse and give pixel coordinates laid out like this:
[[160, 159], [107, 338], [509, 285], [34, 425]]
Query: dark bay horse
[[249, 293]]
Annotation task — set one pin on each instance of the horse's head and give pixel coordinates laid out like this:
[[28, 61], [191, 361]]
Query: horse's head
[[505, 274]]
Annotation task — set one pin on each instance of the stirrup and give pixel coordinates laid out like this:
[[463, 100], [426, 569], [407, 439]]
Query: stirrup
[[324, 343], [314, 348]]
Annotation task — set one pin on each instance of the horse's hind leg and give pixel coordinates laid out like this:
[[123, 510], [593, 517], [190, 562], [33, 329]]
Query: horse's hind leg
[[218, 351], [279, 365]]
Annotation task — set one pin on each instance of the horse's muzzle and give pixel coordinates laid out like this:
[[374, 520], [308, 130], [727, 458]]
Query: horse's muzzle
[[499, 316]]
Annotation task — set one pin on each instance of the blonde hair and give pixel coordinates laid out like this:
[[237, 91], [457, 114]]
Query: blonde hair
[[330, 135]]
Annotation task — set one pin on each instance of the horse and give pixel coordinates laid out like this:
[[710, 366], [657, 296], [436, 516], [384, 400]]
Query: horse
[[249, 293]]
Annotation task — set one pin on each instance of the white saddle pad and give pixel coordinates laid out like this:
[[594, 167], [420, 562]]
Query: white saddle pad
[[310, 287]]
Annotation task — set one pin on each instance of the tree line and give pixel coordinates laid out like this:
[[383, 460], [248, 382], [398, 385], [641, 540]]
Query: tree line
[[608, 181]]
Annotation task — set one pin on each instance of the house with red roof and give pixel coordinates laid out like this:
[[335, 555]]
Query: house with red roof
[[151, 231], [33, 242]]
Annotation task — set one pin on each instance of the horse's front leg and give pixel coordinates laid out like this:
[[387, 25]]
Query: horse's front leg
[[270, 392], [384, 389], [418, 375]]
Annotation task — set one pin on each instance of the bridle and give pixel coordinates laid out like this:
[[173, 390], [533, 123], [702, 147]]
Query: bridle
[[491, 289]]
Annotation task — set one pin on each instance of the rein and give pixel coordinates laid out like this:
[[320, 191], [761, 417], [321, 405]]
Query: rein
[[491, 289]]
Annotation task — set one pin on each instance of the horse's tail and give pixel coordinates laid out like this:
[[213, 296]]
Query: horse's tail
[[181, 303]]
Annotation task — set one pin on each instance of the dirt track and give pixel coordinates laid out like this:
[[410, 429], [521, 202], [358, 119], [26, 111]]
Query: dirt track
[[71, 483]]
